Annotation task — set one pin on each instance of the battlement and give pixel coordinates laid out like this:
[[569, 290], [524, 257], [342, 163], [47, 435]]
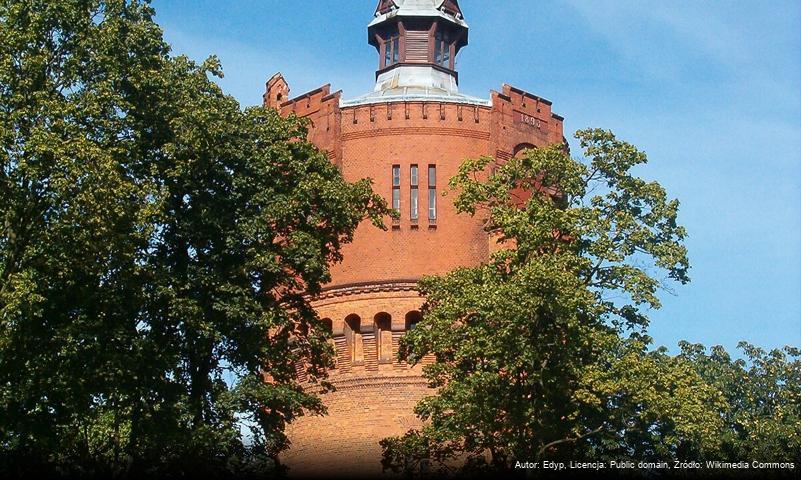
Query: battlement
[[319, 106], [409, 136]]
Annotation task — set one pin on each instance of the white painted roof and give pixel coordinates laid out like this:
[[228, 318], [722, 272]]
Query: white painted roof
[[410, 94], [411, 83], [419, 3]]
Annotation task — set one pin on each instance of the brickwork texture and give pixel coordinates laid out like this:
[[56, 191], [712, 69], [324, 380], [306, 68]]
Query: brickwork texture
[[371, 301]]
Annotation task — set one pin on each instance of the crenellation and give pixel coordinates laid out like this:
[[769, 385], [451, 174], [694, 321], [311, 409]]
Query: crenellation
[[415, 118]]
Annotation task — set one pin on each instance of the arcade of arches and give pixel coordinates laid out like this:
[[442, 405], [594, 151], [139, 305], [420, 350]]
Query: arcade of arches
[[374, 393]]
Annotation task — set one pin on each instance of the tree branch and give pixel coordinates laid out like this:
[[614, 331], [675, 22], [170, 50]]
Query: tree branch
[[568, 440]]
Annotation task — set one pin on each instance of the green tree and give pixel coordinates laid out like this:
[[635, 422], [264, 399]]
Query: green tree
[[531, 361], [762, 391], [157, 242], [74, 226], [250, 220]]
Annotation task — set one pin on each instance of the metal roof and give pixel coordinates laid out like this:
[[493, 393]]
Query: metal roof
[[407, 83], [418, 8], [419, 3], [411, 94]]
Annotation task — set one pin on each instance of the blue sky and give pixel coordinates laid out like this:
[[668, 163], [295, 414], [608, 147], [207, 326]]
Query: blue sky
[[710, 90]]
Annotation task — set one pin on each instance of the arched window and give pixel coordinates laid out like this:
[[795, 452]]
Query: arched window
[[523, 146], [383, 336], [353, 338], [328, 325], [412, 319]]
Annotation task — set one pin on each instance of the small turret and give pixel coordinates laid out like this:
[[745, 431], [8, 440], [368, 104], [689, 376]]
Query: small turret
[[277, 91], [417, 43]]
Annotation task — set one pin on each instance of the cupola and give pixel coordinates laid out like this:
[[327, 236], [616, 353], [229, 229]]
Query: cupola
[[417, 43]]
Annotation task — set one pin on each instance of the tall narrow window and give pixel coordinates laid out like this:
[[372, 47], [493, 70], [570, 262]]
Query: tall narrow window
[[442, 49], [353, 339], [383, 336], [432, 192], [392, 50], [396, 181], [413, 318], [413, 194]]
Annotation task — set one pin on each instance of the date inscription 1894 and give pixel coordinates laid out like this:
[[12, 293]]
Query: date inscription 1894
[[529, 120]]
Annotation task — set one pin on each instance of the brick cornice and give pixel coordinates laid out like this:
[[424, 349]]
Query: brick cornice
[[405, 285], [356, 383], [400, 131]]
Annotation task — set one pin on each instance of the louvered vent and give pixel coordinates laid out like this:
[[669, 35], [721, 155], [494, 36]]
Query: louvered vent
[[417, 46]]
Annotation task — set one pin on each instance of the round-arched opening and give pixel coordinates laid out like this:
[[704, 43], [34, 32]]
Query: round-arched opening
[[353, 337], [353, 323], [412, 319], [383, 321], [328, 325], [521, 147], [383, 336]]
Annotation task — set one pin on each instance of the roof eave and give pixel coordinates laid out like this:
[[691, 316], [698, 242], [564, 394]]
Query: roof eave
[[408, 12]]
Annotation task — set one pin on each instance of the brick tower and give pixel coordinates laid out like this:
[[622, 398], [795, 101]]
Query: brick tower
[[409, 135]]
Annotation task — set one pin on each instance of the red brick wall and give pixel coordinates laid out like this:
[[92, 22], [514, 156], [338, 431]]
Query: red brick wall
[[373, 399], [376, 278], [374, 138], [320, 107]]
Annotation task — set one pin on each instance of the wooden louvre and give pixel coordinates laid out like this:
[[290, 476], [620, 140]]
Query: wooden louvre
[[417, 46]]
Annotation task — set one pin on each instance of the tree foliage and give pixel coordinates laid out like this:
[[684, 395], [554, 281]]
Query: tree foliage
[[157, 241], [541, 353], [762, 395]]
